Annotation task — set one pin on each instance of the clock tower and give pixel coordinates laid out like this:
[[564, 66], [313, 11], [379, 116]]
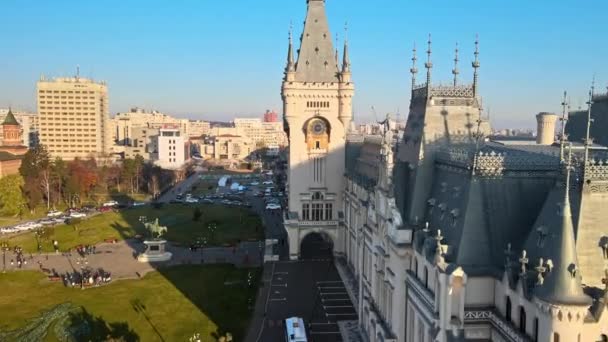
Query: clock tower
[[317, 105]]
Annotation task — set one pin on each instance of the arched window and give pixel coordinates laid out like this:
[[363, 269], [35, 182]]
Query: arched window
[[555, 337], [416, 267], [604, 338], [508, 310], [522, 319]]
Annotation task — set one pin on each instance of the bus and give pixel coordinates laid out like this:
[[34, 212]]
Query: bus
[[295, 330]]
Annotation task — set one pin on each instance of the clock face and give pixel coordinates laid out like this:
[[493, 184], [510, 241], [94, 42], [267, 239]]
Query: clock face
[[318, 127]]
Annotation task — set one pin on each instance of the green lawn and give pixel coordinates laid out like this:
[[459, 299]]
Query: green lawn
[[203, 187], [169, 305], [233, 224]]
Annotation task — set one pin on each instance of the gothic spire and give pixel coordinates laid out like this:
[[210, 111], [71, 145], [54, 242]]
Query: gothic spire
[[345, 59], [414, 70], [476, 66], [455, 71], [290, 63], [428, 65], [337, 52], [316, 59]]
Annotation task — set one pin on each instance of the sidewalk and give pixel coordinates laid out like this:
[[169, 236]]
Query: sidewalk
[[349, 329], [258, 319]]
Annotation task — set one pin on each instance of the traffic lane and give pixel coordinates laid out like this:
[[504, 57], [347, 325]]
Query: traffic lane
[[295, 291]]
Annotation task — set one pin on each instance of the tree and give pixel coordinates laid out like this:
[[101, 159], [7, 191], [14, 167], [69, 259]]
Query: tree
[[11, 195], [59, 172], [33, 195], [36, 167]]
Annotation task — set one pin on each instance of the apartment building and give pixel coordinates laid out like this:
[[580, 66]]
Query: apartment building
[[73, 117], [198, 128], [123, 124]]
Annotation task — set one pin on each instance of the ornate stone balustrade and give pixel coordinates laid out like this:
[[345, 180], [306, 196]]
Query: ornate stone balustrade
[[318, 223], [453, 91], [506, 329]]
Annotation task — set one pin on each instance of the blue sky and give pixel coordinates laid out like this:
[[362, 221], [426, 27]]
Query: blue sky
[[219, 59]]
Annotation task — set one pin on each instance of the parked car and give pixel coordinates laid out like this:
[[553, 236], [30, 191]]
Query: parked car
[[272, 206], [191, 200], [76, 214], [268, 182], [255, 183], [138, 204], [104, 209], [54, 213], [110, 204]]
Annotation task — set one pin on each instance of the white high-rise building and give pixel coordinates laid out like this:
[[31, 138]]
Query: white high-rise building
[[171, 148]]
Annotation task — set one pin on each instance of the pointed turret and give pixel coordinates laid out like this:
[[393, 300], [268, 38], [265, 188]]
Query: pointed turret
[[559, 280], [476, 65], [291, 67], [316, 60], [345, 59], [428, 65]]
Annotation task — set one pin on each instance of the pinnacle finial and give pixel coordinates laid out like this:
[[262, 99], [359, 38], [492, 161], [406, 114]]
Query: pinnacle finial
[[337, 52], [413, 69], [568, 170], [476, 65], [428, 65], [588, 140], [455, 71], [562, 138]]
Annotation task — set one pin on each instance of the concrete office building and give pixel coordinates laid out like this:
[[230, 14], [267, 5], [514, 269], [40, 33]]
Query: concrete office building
[[73, 117]]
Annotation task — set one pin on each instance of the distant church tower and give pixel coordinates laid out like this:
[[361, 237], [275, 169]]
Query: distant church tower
[[12, 140], [317, 105]]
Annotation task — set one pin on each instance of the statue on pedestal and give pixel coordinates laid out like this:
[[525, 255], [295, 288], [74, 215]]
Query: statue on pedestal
[[155, 247]]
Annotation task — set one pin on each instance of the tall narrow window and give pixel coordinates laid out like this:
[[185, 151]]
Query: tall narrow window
[[555, 337], [536, 329], [508, 310], [328, 211], [305, 211], [522, 319]]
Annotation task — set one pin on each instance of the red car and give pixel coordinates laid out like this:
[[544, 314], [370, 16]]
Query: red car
[[104, 209]]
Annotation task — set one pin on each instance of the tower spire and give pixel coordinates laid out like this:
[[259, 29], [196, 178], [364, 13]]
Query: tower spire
[[428, 65], [562, 138], [455, 71], [346, 59], [588, 140], [476, 65], [290, 63], [414, 70]]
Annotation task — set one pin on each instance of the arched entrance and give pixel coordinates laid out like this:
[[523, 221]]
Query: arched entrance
[[316, 246]]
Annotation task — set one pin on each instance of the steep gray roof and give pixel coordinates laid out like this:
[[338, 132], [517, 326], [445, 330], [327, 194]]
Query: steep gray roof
[[316, 60], [552, 238]]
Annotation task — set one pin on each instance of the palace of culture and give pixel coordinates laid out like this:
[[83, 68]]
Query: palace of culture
[[452, 236]]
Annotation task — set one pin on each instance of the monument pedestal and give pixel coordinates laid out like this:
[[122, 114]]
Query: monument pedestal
[[155, 252]]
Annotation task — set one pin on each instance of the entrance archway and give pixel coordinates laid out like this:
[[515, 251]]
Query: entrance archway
[[316, 246]]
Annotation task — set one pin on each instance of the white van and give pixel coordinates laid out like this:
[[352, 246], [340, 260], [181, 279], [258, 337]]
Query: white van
[[295, 330]]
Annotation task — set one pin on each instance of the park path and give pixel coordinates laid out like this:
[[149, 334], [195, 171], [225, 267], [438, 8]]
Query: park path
[[182, 186], [120, 258]]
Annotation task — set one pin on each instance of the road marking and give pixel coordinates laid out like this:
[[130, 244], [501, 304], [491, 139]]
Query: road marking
[[337, 306], [325, 333], [280, 272], [341, 314], [280, 285], [335, 300], [333, 293], [331, 287], [328, 323], [329, 281]]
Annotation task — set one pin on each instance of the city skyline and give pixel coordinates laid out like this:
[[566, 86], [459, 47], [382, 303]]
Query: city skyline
[[527, 58]]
